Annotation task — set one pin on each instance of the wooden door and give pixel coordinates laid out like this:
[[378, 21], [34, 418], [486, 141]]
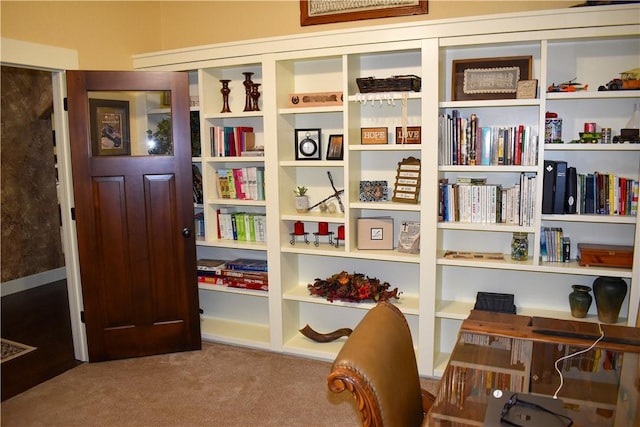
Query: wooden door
[[134, 212]]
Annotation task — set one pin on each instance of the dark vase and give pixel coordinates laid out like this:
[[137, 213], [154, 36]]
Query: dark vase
[[610, 293], [580, 300]]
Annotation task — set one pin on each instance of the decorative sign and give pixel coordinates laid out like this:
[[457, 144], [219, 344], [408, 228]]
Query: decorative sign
[[527, 89], [413, 136], [373, 135], [407, 185], [316, 99]]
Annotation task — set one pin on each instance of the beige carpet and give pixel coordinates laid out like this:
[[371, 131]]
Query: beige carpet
[[218, 386]]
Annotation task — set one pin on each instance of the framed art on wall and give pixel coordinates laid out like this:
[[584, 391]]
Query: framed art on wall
[[109, 123], [314, 12]]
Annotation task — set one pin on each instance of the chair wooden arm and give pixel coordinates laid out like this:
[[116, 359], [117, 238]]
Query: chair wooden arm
[[377, 364]]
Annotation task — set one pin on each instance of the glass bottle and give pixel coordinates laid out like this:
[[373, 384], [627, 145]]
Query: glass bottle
[[634, 121], [519, 247]]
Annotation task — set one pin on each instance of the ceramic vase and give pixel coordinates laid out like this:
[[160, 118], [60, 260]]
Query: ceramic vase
[[609, 293], [580, 300], [302, 204]]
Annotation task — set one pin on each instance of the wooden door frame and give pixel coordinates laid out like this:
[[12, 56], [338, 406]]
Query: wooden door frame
[[23, 54]]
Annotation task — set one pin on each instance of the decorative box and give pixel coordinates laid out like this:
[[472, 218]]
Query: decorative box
[[597, 255], [375, 233], [315, 99], [393, 84]]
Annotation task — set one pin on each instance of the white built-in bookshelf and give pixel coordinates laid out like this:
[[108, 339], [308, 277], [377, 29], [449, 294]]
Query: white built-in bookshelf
[[592, 44]]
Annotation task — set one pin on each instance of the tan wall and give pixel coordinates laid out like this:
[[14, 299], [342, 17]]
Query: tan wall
[[106, 34]]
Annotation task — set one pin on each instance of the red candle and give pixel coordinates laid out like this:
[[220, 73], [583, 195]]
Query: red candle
[[323, 228], [341, 232], [298, 228]]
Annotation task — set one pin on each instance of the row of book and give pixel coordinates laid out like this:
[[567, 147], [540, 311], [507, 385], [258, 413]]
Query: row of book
[[238, 141], [554, 245], [239, 273], [244, 183], [462, 141], [472, 200], [565, 191], [241, 226]]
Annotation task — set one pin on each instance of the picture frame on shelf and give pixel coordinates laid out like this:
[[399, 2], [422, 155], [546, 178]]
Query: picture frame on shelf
[[374, 191], [313, 12], [307, 144], [527, 89], [377, 135], [488, 78], [335, 147], [109, 127]]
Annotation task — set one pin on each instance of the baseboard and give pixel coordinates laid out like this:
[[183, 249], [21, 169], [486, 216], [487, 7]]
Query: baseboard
[[33, 281]]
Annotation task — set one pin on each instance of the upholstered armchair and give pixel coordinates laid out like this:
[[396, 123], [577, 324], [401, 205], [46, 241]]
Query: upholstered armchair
[[378, 365]]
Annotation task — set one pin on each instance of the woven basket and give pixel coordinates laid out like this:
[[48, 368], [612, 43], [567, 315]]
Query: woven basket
[[392, 84]]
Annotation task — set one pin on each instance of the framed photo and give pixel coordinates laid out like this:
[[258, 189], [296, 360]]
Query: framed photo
[[335, 147], [413, 136], [488, 78], [527, 89], [314, 12], [307, 144], [109, 123], [374, 191], [373, 135]]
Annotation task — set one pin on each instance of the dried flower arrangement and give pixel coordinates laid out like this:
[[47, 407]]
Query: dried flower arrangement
[[352, 287]]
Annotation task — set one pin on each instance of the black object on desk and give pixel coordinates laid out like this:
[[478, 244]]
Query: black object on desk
[[506, 408]]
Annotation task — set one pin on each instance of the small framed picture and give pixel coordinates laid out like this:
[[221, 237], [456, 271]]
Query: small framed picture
[[374, 191], [373, 135], [335, 147], [527, 89], [109, 122], [307, 144]]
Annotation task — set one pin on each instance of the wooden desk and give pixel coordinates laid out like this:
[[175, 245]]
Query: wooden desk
[[519, 354]]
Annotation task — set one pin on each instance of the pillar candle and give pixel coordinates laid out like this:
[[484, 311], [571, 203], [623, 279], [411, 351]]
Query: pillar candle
[[341, 232], [298, 228], [323, 228]]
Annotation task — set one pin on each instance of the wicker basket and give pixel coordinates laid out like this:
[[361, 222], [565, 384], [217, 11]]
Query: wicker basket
[[392, 84]]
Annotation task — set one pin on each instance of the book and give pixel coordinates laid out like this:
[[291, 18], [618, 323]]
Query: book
[[570, 204], [560, 187], [247, 264], [206, 264], [548, 186]]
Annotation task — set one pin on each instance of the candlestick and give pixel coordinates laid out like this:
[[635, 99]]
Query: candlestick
[[341, 232], [323, 228]]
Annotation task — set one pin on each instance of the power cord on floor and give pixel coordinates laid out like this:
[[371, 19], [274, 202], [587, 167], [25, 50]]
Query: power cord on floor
[[555, 395]]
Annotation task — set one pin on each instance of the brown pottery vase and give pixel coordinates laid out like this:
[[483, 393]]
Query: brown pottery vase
[[580, 300], [610, 293]]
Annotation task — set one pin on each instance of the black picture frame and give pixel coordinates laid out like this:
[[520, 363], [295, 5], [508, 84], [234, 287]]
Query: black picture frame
[[308, 144], [488, 78], [335, 147], [109, 127]]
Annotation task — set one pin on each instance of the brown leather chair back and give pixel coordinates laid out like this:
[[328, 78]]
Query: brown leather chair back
[[378, 365]]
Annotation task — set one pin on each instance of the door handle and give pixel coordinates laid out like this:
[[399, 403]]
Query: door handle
[[186, 232]]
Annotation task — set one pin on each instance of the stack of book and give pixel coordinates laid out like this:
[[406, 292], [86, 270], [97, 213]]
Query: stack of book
[[240, 273], [463, 141], [565, 191], [246, 183], [241, 226], [239, 141]]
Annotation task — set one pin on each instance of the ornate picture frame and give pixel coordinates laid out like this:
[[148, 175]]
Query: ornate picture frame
[[313, 12], [109, 125], [488, 78]]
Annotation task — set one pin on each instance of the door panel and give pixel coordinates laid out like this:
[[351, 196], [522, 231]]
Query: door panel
[[131, 160]]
